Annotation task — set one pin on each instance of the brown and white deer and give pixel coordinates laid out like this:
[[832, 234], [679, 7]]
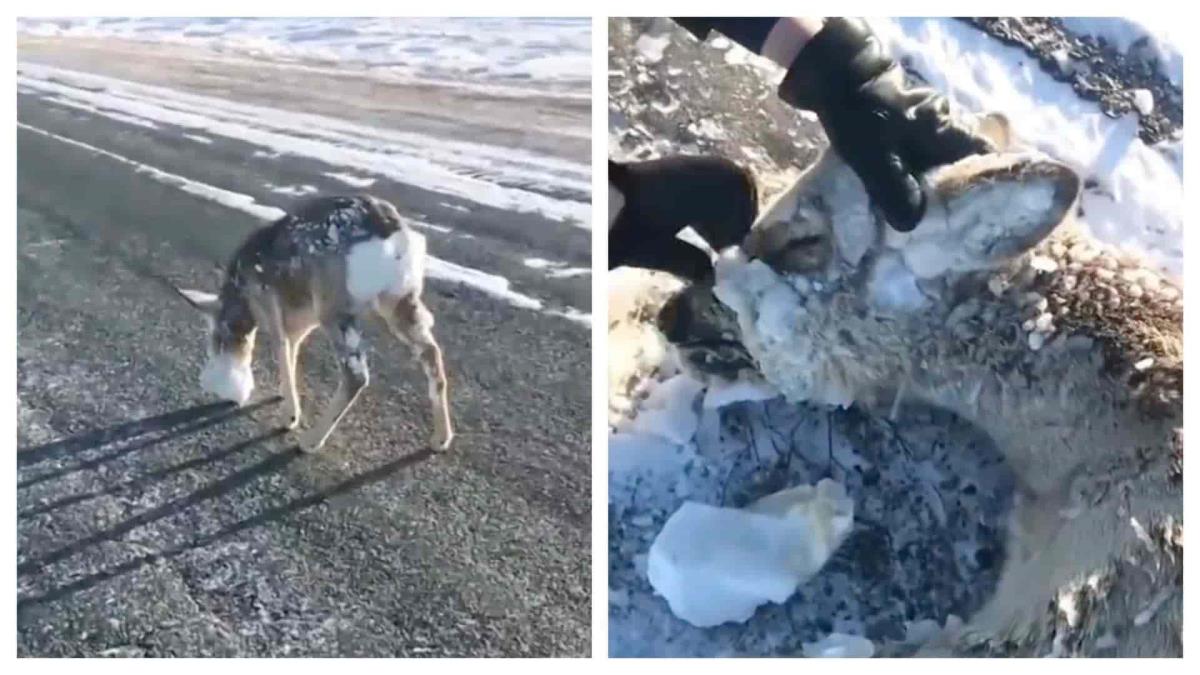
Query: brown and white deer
[[1068, 353], [327, 264]]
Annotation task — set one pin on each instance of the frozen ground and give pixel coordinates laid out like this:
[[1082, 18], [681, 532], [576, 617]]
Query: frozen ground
[[930, 494], [152, 524]]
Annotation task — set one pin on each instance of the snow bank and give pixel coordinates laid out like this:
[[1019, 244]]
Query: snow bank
[[715, 564]]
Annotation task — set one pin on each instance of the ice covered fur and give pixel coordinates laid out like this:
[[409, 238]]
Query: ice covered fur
[[227, 378], [715, 564], [395, 266], [1067, 353]]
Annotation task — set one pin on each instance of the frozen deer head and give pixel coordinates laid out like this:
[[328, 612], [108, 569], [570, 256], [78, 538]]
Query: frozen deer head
[[325, 265], [823, 273], [226, 374]]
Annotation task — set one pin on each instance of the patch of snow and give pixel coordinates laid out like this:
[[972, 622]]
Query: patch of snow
[[292, 190], [203, 140], [670, 412], [351, 179], [651, 47], [556, 270]]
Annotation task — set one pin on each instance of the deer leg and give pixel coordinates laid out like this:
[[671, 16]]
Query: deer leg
[[351, 355], [284, 347], [287, 379], [412, 323]]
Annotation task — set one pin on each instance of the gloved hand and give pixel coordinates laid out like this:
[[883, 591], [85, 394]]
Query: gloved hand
[[713, 195], [888, 132]]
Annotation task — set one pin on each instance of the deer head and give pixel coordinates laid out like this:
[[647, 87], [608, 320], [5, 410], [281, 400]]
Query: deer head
[[230, 346], [822, 286]]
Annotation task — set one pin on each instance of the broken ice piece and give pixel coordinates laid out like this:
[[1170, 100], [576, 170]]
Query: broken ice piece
[[715, 564], [839, 645], [723, 392]]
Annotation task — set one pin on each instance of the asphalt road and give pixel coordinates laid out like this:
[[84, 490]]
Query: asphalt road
[[152, 522]]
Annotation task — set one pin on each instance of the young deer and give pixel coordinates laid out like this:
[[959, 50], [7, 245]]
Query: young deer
[[326, 264], [1067, 353]]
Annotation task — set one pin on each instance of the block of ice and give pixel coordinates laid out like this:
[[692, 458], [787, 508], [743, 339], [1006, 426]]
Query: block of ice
[[840, 645], [715, 564]]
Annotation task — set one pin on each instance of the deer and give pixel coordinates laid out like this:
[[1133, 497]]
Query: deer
[[326, 264], [1000, 307]]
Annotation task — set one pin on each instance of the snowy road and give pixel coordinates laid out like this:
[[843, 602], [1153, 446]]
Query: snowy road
[[152, 525]]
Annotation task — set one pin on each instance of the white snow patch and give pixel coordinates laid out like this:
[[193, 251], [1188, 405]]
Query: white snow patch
[[715, 564], [670, 411], [651, 47], [351, 179], [455, 207], [494, 285], [292, 190], [554, 269], [203, 140]]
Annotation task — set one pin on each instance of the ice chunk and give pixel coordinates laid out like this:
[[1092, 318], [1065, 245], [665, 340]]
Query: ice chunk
[[722, 393], [715, 564], [840, 645], [227, 378]]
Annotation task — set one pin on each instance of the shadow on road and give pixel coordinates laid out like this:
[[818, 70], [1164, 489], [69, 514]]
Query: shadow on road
[[201, 417], [272, 463]]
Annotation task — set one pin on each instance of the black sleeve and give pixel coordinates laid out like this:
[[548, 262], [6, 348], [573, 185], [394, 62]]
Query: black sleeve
[[749, 32]]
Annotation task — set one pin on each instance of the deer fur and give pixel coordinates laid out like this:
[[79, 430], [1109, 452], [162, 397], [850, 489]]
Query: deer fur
[[1069, 354], [327, 264]]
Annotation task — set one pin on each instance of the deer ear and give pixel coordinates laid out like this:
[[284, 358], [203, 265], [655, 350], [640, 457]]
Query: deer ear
[[996, 128], [208, 303], [987, 209]]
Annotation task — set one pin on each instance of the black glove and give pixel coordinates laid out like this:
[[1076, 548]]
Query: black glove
[[888, 132], [715, 196]]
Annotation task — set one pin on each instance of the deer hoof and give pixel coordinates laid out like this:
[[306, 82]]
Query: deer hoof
[[441, 442], [310, 445]]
